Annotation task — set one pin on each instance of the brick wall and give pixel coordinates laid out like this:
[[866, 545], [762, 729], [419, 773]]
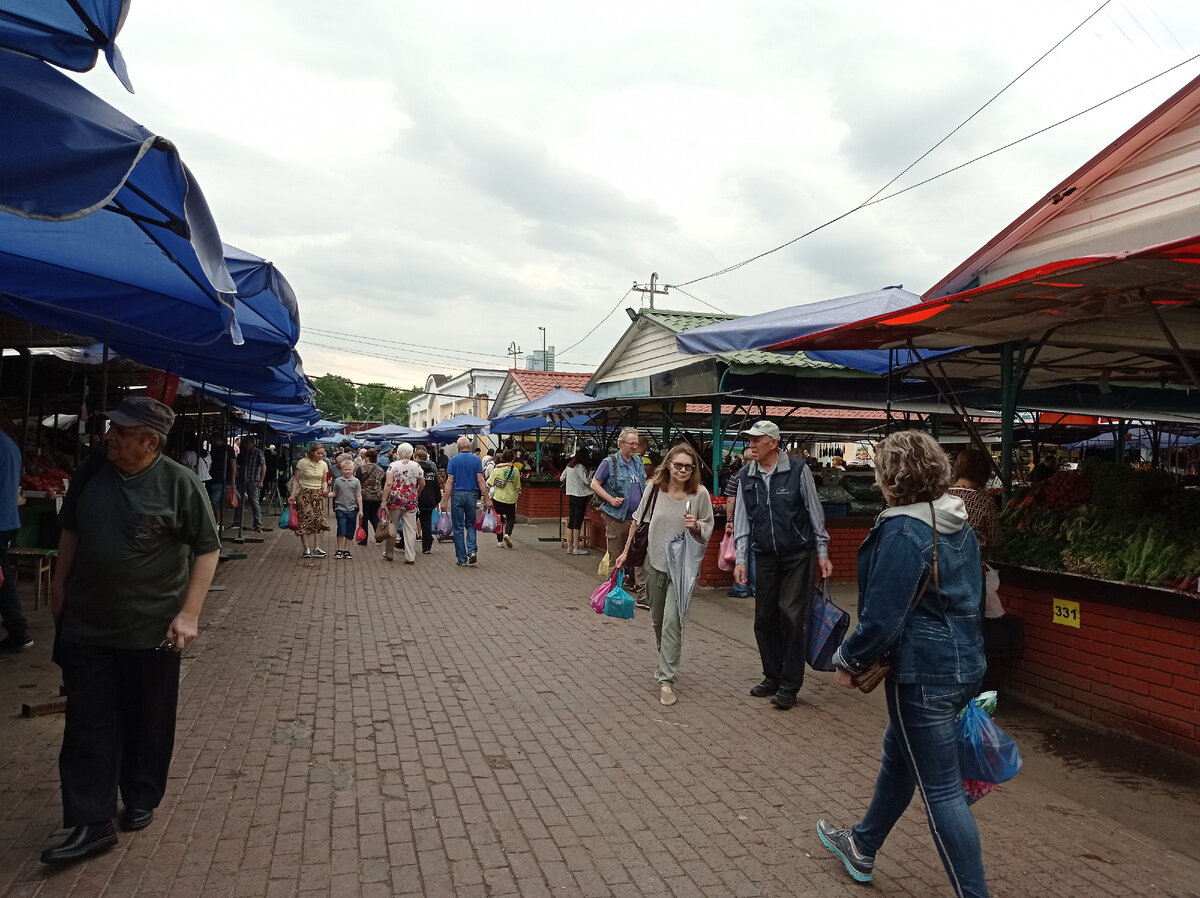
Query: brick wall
[[1132, 665], [845, 536], [537, 503]]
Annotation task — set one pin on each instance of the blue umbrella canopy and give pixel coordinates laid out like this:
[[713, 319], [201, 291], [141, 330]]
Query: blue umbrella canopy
[[102, 226], [385, 432], [68, 33], [265, 362], [460, 425]]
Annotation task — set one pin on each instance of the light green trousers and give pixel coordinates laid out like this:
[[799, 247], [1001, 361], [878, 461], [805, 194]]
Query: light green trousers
[[668, 628]]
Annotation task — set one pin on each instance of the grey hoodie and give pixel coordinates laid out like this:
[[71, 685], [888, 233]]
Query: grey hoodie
[[949, 510]]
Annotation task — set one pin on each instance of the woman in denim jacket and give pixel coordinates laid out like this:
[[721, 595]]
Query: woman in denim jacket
[[927, 622]]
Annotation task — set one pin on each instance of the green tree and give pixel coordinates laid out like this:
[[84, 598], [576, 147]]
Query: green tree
[[395, 405], [335, 397]]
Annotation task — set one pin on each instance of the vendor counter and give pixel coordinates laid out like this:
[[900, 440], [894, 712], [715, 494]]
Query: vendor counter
[[1122, 656], [39, 524]]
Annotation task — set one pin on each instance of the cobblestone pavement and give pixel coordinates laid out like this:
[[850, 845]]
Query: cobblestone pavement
[[370, 728]]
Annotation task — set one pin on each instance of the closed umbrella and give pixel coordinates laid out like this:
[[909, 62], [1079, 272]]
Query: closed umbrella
[[684, 554]]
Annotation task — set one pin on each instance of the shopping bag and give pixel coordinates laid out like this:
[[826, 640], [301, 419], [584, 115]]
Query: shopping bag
[[231, 497], [488, 522], [602, 567], [360, 535], [285, 517], [827, 628], [385, 530], [293, 518], [985, 752], [727, 559], [444, 526], [600, 596], [618, 603], [991, 593]]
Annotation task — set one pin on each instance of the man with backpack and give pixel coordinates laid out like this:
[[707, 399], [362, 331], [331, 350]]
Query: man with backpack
[[619, 483]]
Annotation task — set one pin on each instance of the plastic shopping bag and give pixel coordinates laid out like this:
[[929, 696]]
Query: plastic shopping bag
[[231, 497], [602, 567], [618, 603], [600, 596], [285, 516], [293, 518], [488, 522], [985, 752], [991, 591], [360, 535], [444, 526], [728, 557]]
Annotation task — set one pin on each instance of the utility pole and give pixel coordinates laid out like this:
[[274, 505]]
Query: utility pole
[[514, 350], [652, 289]]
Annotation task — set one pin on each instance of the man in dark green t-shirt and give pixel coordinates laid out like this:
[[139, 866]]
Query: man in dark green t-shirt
[[137, 554]]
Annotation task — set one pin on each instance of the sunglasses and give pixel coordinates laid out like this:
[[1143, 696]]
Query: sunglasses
[[680, 466]]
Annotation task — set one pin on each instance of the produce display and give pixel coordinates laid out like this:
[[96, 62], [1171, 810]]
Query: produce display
[[42, 476], [1107, 521]]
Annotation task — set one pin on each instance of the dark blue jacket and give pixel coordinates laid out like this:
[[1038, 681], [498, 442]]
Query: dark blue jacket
[[780, 522]]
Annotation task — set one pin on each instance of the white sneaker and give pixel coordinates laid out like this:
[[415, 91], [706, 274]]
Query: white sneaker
[[581, 552]]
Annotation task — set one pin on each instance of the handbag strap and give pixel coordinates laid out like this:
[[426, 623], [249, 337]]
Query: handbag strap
[[933, 567], [650, 507]]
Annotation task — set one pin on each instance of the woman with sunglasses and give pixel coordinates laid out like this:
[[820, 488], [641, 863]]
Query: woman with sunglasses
[[674, 502]]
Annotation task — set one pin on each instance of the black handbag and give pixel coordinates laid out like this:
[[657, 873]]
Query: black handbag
[[640, 544]]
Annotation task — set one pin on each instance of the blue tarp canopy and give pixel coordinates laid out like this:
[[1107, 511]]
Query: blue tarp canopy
[[772, 331], [68, 33], [385, 432], [102, 226], [1135, 438], [267, 316], [557, 400], [514, 424]]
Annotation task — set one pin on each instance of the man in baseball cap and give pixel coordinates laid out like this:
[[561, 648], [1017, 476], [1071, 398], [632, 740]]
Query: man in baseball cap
[[779, 519], [137, 553]]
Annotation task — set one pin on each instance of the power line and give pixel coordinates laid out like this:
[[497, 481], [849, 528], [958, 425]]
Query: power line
[[873, 198], [598, 323]]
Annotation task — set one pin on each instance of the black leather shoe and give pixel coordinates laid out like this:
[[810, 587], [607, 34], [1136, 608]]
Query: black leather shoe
[[765, 688], [89, 839], [784, 700], [133, 819]]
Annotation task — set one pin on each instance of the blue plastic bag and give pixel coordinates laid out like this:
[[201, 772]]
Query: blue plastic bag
[[985, 752], [284, 517], [619, 603]]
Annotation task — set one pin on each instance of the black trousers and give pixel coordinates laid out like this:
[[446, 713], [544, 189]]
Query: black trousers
[[508, 514], [370, 520], [782, 609], [120, 729], [426, 516]]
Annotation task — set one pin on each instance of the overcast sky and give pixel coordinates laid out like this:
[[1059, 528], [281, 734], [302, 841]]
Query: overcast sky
[[457, 175]]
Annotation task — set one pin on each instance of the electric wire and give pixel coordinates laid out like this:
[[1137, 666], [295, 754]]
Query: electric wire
[[875, 198], [600, 322]]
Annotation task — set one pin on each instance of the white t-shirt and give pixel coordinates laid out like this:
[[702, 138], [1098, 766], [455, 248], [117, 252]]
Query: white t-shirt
[[202, 466]]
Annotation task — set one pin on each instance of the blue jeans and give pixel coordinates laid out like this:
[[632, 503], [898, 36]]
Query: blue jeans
[[920, 752], [347, 522], [249, 493], [462, 516]]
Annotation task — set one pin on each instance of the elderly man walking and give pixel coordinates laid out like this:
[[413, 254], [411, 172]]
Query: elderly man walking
[[779, 519], [464, 486], [138, 550], [619, 483]]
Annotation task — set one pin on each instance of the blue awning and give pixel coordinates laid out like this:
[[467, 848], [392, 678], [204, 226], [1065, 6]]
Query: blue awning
[[68, 33], [102, 226], [265, 362]]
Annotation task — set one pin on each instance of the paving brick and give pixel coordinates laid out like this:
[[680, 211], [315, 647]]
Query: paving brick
[[366, 729]]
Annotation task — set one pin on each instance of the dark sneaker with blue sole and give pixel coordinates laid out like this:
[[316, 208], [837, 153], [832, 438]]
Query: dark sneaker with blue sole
[[841, 843]]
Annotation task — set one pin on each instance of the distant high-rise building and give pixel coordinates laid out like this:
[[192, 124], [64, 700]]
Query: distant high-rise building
[[540, 360]]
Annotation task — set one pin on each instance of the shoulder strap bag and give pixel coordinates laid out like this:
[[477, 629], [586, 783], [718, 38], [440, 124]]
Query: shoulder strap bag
[[881, 668], [640, 544]]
